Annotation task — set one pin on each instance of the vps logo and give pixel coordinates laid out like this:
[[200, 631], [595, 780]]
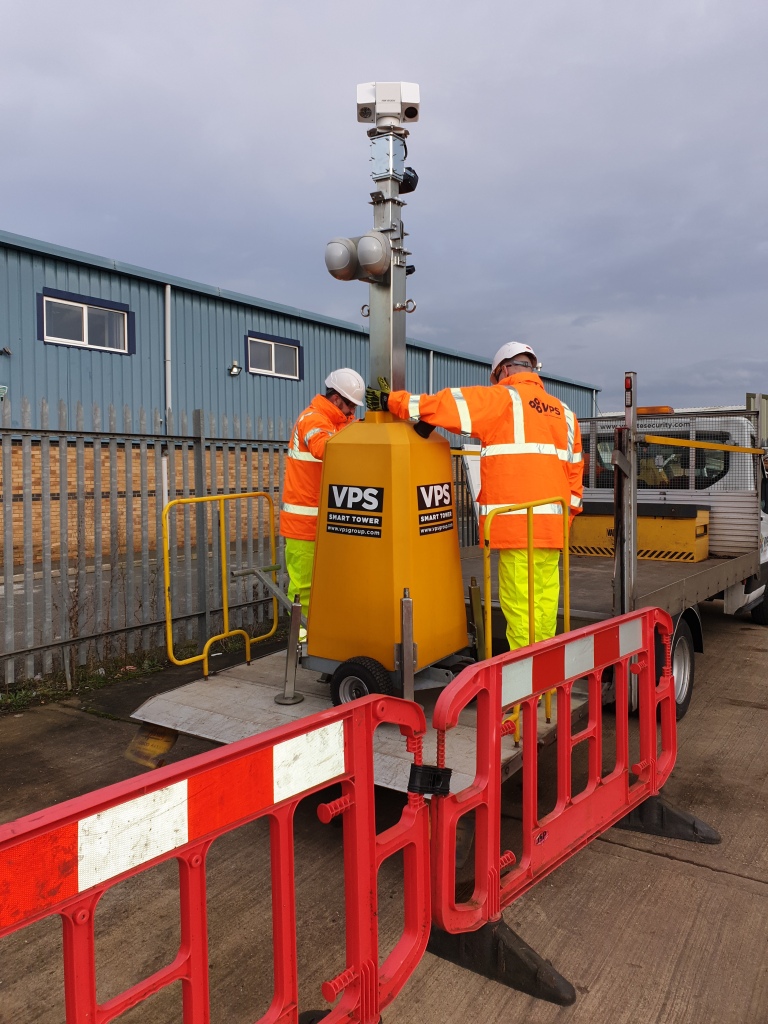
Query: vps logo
[[359, 499], [540, 406], [433, 496]]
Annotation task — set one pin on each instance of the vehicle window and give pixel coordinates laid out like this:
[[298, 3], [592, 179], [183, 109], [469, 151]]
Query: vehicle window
[[666, 466]]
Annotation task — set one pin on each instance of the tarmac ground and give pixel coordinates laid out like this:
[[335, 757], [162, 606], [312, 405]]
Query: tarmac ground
[[648, 930]]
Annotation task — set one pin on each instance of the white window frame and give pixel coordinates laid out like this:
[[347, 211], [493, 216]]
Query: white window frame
[[53, 340], [272, 373]]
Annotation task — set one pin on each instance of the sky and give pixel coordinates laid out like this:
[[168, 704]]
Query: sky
[[592, 173]]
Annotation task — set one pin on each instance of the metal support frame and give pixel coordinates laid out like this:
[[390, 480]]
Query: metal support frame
[[407, 652], [270, 585], [624, 459], [387, 298], [290, 694], [476, 616], [759, 403]]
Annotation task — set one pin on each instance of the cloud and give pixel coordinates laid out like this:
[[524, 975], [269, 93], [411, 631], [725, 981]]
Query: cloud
[[591, 175], [585, 320]]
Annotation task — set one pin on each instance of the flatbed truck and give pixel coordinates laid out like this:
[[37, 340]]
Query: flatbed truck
[[676, 463], [729, 482]]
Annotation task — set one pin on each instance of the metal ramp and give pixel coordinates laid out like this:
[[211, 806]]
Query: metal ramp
[[240, 702]]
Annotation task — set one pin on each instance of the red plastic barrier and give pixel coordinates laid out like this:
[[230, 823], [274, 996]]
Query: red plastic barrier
[[62, 860], [627, 644]]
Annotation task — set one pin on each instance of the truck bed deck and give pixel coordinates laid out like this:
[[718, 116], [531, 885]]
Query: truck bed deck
[[240, 702], [672, 586]]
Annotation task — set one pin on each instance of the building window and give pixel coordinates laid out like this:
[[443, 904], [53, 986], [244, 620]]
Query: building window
[[278, 357], [68, 319]]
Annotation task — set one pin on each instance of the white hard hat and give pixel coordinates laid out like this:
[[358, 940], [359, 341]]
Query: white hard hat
[[512, 349], [348, 383]]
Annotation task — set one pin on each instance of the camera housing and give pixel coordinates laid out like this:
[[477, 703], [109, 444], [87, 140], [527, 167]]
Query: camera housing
[[388, 105]]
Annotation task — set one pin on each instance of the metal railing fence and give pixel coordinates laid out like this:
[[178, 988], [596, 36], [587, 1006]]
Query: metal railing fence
[[81, 577], [81, 582]]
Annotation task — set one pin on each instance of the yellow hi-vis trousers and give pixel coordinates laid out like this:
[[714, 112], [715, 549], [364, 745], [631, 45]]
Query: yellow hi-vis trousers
[[513, 593], [299, 559]]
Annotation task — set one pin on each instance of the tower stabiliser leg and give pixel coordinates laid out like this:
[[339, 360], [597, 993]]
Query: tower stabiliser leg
[[655, 817], [496, 952]]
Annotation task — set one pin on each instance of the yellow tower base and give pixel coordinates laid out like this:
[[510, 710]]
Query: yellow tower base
[[387, 521]]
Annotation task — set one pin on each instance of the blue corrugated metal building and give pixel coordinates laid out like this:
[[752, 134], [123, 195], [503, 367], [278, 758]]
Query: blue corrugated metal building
[[81, 328]]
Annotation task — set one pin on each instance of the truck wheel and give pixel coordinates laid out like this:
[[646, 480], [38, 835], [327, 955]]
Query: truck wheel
[[760, 612], [682, 667], [359, 677]]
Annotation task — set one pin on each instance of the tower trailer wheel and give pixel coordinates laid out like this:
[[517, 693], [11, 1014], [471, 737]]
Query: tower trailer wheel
[[359, 677]]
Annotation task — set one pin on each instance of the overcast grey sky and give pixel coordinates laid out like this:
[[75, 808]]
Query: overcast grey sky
[[593, 172]]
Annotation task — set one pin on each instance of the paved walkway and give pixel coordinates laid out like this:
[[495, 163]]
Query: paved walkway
[[650, 931]]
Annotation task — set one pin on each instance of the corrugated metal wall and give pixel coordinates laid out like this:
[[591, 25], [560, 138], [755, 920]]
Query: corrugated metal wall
[[35, 370], [208, 332]]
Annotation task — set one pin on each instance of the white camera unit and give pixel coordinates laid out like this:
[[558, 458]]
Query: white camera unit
[[388, 105]]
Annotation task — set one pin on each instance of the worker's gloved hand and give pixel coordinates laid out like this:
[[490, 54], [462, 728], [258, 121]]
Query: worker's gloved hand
[[423, 429], [377, 399]]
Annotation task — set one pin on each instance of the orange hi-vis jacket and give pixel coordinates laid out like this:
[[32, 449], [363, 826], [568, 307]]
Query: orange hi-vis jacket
[[531, 449], [304, 467]]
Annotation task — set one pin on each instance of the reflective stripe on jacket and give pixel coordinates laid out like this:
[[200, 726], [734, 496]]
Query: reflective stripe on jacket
[[304, 467], [531, 449]]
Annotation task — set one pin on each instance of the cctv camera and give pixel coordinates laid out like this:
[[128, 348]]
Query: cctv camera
[[388, 105]]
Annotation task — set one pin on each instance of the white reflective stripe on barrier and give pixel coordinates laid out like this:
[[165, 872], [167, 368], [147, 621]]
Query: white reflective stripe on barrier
[[300, 510], [630, 637], [580, 657], [538, 510], [465, 420], [413, 406], [516, 681], [134, 832], [519, 678], [130, 834], [518, 415], [308, 760]]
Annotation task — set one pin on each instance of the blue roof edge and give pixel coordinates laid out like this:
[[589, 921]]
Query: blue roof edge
[[103, 263]]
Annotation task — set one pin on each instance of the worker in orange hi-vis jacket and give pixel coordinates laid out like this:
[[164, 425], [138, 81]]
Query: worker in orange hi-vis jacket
[[324, 417], [531, 449]]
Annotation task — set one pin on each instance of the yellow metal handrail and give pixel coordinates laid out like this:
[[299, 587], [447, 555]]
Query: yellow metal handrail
[[529, 506], [223, 549]]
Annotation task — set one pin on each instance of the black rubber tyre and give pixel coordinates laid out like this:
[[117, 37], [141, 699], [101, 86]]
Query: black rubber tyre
[[760, 612], [359, 677], [683, 661]]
